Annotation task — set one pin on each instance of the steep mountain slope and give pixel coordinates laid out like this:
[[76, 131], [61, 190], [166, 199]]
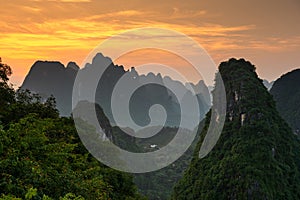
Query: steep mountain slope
[[257, 155], [286, 93]]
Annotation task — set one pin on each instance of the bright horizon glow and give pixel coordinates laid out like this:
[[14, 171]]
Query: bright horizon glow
[[266, 33]]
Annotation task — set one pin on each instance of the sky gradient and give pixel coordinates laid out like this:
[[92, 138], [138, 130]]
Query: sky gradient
[[265, 32]]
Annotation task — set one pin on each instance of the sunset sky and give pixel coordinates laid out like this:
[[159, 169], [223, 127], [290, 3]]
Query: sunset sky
[[266, 32]]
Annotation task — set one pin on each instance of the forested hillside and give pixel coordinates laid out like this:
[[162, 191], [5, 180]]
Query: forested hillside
[[257, 155]]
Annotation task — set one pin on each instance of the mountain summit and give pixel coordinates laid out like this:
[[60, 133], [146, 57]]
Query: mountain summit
[[53, 78], [256, 156]]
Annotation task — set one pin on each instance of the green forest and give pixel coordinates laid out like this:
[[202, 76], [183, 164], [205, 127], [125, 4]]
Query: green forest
[[42, 157]]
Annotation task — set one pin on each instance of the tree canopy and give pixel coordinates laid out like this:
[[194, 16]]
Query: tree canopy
[[42, 157]]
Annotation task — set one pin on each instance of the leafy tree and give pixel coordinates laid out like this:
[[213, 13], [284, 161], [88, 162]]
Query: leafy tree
[[46, 154], [5, 71], [6, 90]]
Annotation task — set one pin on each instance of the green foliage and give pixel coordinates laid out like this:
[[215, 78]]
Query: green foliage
[[26, 103], [5, 72], [32, 192], [71, 196], [9, 197], [6, 90], [42, 157], [254, 159], [46, 154]]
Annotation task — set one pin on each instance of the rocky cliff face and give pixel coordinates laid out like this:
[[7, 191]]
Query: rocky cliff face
[[256, 156]]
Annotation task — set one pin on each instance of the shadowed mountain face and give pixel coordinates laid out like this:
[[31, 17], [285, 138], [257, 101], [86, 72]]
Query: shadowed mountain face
[[256, 156], [52, 78], [48, 78], [286, 93]]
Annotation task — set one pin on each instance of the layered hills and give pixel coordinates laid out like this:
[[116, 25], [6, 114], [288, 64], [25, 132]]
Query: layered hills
[[52, 78]]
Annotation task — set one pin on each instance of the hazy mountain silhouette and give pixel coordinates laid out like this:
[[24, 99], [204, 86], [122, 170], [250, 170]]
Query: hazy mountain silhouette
[[48, 78], [286, 93], [256, 156]]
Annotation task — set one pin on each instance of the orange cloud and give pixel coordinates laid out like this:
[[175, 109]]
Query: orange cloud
[[69, 29], [65, 1]]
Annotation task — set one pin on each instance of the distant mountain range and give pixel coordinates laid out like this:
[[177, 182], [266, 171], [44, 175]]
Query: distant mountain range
[[286, 93], [52, 78]]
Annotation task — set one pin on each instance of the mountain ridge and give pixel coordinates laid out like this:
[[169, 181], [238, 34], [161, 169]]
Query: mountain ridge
[[48, 78]]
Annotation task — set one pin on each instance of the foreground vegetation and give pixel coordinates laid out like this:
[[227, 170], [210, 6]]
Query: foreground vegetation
[[42, 157]]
